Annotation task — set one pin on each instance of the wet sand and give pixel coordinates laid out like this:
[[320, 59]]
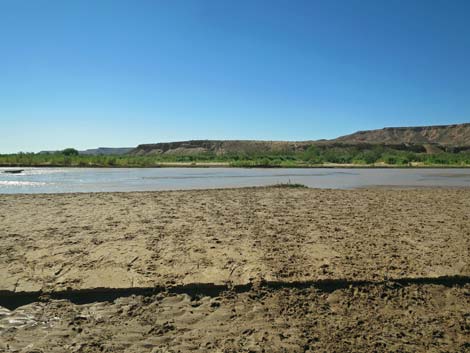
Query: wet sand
[[380, 318], [278, 269]]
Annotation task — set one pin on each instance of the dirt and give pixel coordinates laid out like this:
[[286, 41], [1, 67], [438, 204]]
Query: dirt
[[372, 318], [256, 269]]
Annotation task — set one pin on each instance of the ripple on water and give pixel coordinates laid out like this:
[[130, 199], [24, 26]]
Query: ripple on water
[[21, 183]]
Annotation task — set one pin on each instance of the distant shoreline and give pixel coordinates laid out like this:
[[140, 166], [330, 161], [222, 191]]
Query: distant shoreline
[[229, 165]]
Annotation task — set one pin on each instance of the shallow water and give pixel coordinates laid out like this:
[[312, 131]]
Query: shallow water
[[63, 180]]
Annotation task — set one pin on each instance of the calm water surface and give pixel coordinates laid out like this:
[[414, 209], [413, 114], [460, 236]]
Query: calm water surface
[[60, 180]]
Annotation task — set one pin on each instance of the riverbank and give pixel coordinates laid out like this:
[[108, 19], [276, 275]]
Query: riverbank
[[319, 155], [243, 165], [237, 269], [371, 318]]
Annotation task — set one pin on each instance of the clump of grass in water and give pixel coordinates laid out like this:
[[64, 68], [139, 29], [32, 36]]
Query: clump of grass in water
[[289, 184]]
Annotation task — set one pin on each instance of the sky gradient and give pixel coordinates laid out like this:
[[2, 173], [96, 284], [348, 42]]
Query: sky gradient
[[119, 73]]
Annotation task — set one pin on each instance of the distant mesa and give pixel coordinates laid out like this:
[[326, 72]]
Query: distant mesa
[[218, 147], [107, 151], [432, 139], [104, 151], [429, 138], [456, 135]]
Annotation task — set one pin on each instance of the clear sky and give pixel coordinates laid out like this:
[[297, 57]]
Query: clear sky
[[89, 73]]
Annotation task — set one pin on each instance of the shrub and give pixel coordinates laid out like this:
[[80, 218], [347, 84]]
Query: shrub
[[70, 152]]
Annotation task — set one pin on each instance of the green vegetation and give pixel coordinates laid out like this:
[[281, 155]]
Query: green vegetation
[[70, 152], [315, 155]]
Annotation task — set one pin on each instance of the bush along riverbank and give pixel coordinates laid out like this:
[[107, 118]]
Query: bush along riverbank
[[314, 156]]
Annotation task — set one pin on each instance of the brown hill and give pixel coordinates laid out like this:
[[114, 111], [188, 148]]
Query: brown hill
[[219, 147], [445, 135], [432, 139]]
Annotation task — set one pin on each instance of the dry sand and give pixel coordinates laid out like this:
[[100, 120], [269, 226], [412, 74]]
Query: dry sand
[[278, 269]]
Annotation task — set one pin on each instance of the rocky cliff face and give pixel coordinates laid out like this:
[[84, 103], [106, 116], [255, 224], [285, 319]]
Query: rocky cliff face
[[444, 135], [429, 138], [218, 147]]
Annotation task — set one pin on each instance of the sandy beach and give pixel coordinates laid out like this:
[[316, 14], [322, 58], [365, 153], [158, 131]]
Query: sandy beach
[[252, 270]]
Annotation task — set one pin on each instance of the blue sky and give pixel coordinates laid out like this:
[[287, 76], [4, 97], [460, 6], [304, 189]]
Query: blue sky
[[91, 73]]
